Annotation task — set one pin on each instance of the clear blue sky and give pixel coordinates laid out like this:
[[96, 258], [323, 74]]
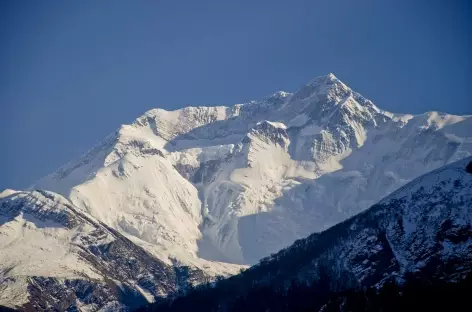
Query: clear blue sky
[[72, 71]]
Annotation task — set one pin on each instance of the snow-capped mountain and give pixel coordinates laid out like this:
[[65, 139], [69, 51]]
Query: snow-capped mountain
[[179, 197], [236, 183], [422, 230]]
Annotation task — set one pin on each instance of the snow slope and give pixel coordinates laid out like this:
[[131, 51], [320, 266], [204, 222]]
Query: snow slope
[[235, 184], [55, 257]]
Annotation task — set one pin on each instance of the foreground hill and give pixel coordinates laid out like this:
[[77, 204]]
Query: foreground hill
[[55, 257]]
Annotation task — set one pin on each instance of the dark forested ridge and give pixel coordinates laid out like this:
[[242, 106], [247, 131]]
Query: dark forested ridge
[[413, 294]]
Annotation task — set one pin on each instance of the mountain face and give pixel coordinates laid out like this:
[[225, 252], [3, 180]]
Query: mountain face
[[422, 230], [235, 184], [56, 257], [199, 192]]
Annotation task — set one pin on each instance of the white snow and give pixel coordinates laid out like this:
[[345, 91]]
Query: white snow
[[236, 183]]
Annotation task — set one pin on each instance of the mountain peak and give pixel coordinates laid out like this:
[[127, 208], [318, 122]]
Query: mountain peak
[[331, 76], [328, 85], [330, 79]]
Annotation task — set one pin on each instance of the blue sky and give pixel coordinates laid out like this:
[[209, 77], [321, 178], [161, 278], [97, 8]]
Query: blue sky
[[72, 71]]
